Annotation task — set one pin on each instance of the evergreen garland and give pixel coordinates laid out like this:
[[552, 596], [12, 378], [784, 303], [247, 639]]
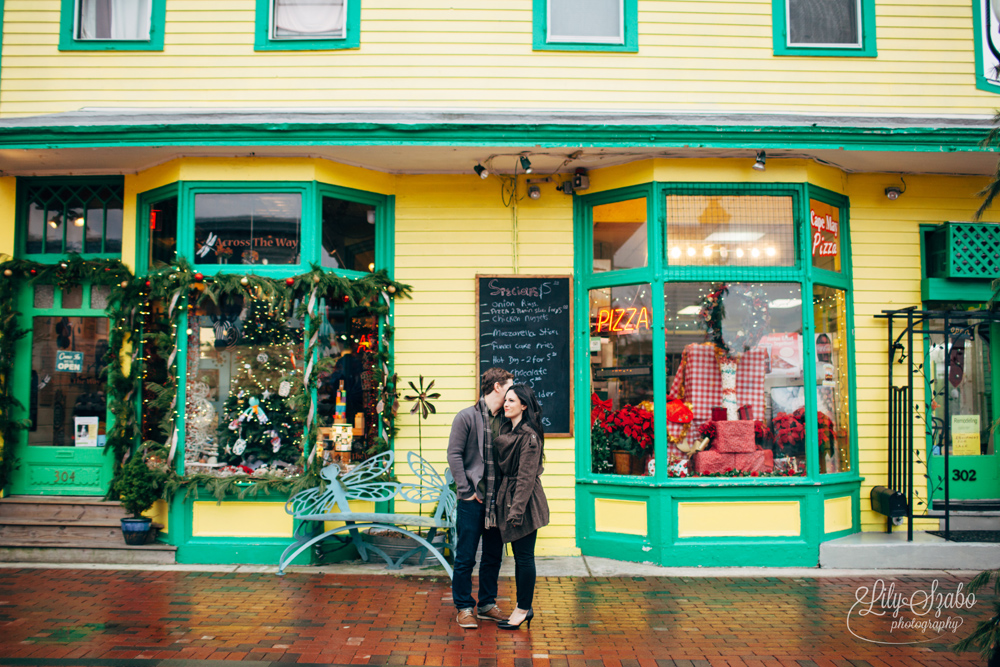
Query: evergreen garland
[[173, 286]]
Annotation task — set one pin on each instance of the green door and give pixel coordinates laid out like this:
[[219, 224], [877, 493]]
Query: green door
[[59, 380], [966, 376]]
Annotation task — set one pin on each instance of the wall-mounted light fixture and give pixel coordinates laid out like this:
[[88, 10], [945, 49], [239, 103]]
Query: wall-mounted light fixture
[[526, 164], [78, 221], [535, 192], [892, 193], [481, 171], [760, 164]]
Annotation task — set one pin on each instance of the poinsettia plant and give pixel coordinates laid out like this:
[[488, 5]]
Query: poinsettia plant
[[629, 429]]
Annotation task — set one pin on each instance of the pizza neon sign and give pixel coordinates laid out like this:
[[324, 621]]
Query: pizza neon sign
[[622, 320]]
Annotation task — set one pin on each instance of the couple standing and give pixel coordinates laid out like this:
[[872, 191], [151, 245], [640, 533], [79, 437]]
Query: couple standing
[[495, 454]]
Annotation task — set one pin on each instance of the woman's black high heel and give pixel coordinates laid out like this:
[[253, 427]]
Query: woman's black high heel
[[525, 620]]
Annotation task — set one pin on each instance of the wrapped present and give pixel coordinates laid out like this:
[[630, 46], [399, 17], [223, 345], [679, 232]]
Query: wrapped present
[[735, 436], [761, 460], [711, 460]]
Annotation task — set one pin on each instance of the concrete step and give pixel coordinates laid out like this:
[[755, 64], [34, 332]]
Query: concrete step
[[27, 551], [880, 551]]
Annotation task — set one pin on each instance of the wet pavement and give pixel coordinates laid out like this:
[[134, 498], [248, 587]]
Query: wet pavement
[[105, 617]]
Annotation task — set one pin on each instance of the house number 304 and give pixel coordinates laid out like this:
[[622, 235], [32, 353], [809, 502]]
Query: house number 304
[[963, 475], [63, 476]]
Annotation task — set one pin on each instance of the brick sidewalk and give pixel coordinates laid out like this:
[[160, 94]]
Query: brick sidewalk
[[114, 618]]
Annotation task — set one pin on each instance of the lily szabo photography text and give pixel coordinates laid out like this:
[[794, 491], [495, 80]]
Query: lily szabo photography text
[[886, 614]]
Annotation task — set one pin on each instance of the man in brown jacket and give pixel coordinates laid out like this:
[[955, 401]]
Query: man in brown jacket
[[470, 458]]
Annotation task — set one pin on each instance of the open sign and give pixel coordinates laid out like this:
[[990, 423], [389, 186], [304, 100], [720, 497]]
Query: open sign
[[69, 362]]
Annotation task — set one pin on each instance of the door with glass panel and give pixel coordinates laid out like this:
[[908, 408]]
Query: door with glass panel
[[961, 375], [60, 381]]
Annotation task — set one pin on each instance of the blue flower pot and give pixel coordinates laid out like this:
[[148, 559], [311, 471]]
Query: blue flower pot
[[136, 531]]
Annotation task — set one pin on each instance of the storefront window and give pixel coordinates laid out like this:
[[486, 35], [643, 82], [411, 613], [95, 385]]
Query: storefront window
[[163, 232], [68, 405], [347, 397], [348, 235], [244, 378], [730, 230], [620, 235], [73, 215], [621, 379], [735, 379], [247, 228], [832, 385], [824, 229]]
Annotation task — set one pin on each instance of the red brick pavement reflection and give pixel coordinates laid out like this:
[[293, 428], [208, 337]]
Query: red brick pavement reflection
[[104, 617]]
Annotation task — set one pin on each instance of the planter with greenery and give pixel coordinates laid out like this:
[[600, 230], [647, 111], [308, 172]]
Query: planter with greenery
[[138, 487]]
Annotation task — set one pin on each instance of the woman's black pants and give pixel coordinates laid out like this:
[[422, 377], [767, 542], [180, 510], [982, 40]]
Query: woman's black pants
[[524, 569]]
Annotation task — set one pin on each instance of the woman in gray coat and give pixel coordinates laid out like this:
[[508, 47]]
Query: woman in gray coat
[[521, 505]]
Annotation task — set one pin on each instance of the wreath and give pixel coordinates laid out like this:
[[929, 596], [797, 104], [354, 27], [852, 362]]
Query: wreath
[[736, 317]]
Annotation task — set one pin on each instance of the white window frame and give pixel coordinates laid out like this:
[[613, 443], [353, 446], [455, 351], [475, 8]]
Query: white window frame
[[857, 44], [571, 39], [273, 28]]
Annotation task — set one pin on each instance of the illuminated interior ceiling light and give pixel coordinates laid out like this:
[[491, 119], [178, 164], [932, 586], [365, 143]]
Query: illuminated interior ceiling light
[[771, 252], [739, 252], [734, 237], [535, 192], [54, 223], [689, 310], [755, 252], [785, 303], [526, 164], [759, 165], [707, 251], [78, 221], [371, 266], [481, 171], [723, 252], [675, 252], [691, 251]]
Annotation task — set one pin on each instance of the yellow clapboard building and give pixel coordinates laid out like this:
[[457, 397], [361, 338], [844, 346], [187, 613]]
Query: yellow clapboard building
[[733, 247]]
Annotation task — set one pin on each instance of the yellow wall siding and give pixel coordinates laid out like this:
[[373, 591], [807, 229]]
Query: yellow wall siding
[[448, 229], [886, 255], [460, 53]]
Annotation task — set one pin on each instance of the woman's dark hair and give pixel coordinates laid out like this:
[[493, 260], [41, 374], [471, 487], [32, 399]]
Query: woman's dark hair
[[532, 415]]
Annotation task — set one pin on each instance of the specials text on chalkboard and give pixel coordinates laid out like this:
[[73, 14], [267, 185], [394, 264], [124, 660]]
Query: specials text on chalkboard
[[524, 326]]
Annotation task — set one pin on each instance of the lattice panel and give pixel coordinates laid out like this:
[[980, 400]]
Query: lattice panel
[[77, 217], [964, 250]]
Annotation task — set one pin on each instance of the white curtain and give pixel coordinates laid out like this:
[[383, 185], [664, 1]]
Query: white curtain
[[115, 19], [309, 18], [585, 20]]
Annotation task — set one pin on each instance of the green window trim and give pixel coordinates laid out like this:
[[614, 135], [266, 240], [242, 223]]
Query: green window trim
[[310, 229], [21, 216], [69, 42], [657, 273], [264, 42], [866, 49], [978, 29], [540, 24]]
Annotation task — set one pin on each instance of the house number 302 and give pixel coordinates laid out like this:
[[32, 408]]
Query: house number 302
[[62, 476], [963, 475]]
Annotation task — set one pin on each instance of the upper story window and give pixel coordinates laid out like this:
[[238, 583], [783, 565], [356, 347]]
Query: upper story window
[[824, 27], [308, 24], [987, 37], [71, 215], [586, 25], [127, 25]]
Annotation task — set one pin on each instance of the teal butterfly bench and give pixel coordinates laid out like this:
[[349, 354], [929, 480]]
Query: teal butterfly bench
[[333, 504]]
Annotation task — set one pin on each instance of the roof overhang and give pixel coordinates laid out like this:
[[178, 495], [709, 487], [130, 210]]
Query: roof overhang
[[130, 140]]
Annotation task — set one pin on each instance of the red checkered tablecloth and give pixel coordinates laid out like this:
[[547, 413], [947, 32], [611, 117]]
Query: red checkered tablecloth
[[702, 383]]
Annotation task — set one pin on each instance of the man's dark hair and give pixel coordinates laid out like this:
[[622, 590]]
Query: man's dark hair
[[491, 377]]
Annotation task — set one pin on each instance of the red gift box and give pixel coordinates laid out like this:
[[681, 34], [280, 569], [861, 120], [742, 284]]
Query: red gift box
[[710, 461], [735, 437], [761, 460]]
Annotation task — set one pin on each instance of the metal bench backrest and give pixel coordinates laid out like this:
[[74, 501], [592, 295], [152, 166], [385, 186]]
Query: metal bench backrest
[[341, 488], [433, 488]]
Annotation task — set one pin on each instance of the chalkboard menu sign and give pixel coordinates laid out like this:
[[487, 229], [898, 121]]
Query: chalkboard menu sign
[[524, 325]]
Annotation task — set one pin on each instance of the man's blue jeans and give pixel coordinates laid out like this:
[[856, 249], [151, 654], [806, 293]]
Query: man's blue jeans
[[469, 529]]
